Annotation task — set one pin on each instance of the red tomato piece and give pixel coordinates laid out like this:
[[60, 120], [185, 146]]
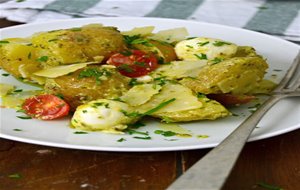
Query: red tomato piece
[[231, 99], [134, 63], [46, 107]]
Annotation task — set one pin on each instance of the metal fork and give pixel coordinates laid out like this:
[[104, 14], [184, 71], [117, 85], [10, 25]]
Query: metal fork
[[211, 172]]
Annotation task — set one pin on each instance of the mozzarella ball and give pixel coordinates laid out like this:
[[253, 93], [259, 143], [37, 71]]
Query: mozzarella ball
[[103, 115], [204, 49]]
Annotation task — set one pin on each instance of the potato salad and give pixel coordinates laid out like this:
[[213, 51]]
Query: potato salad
[[107, 79]]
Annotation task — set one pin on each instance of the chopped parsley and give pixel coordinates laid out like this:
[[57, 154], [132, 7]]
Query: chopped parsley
[[201, 95], [29, 55], [131, 114], [132, 131], [221, 43], [149, 112], [136, 39], [190, 38], [17, 91], [165, 133], [4, 42], [15, 176], [160, 80], [136, 125], [94, 72], [133, 82], [126, 53], [24, 117], [201, 56], [17, 129], [61, 96], [267, 186], [5, 74], [80, 132], [53, 40], [97, 104], [121, 140], [143, 138], [216, 60], [43, 59], [203, 43], [161, 105]]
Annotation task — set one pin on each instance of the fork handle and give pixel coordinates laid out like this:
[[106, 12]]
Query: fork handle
[[211, 172]]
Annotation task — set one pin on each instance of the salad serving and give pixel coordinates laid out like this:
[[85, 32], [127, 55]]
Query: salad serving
[[108, 79]]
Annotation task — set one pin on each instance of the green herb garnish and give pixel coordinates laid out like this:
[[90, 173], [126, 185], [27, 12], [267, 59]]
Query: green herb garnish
[[216, 60], [201, 56], [121, 140], [136, 39], [43, 59], [24, 117], [221, 43], [267, 186], [94, 72], [143, 138], [203, 43], [80, 132], [5, 74], [201, 95], [165, 133], [132, 131], [17, 129], [52, 40], [136, 125], [29, 55], [4, 42], [133, 82], [161, 105], [15, 176]]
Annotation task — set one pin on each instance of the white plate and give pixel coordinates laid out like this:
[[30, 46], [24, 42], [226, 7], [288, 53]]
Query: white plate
[[284, 117]]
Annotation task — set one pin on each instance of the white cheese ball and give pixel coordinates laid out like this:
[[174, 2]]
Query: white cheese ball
[[204, 49], [102, 115]]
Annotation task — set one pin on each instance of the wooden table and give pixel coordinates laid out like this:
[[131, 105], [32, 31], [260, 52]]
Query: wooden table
[[275, 161]]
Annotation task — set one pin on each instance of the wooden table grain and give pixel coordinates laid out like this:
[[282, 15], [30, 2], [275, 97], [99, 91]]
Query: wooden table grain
[[274, 161]]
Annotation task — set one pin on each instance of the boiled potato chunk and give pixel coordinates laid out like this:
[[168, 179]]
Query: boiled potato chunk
[[77, 44], [91, 83], [238, 75], [19, 58]]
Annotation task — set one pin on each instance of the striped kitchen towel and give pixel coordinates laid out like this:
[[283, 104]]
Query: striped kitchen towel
[[276, 17]]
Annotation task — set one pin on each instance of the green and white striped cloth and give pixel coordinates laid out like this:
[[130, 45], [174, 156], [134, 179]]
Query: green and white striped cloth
[[276, 17]]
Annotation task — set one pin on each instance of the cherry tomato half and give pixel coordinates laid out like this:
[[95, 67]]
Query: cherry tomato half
[[231, 99], [134, 63], [46, 107]]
